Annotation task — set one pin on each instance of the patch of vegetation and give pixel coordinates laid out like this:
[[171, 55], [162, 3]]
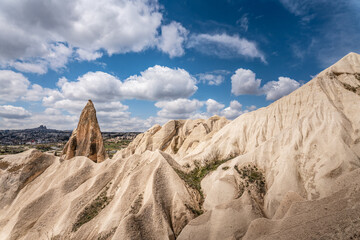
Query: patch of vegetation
[[112, 147], [92, 210], [252, 176], [225, 168], [15, 149], [357, 76], [194, 177], [349, 87], [135, 207], [44, 147], [108, 235], [15, 168], [196, 212], [4, 165]]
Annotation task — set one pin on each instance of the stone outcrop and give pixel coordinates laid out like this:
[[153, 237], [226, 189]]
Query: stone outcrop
[[86, 139]]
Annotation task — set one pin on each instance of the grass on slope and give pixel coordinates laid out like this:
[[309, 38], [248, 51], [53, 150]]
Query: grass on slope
[[92, 210], [252, 176], [112, 147], [193, 178]]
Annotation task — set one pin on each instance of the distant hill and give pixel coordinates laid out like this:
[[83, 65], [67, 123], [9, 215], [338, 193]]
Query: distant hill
[[42, 135]]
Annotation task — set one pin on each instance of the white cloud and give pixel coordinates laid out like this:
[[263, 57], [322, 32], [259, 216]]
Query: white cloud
[[277, 89], [179, 108], [98, 86], [39, 67], [172, 39], [13, 85], [34, 30], [211, 79], [52, 119], [251, 108], [88, 55], [54, 56], [225, 46], [57, 55], [12, 112], [155, 83], [191, 109], [244, 82], [213, 107], [233, 111], [159, 83], [52, 111], [35, 93]]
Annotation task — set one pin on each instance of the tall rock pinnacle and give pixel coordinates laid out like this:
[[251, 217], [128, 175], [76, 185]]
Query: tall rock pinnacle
[[86, 139]]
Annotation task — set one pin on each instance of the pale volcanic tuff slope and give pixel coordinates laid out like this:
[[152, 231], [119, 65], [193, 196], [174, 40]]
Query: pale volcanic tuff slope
[[177, 137], [140, 197], [294, 166], [303, 144]]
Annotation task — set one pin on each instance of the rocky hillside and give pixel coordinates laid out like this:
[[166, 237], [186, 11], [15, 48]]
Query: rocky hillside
[[287, 171]]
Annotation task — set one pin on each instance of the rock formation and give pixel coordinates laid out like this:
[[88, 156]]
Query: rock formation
[[86, 139], [176, 137], [287, 171]]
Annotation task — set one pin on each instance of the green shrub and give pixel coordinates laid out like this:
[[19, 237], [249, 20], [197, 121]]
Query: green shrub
[[252, 176], [193, 178]]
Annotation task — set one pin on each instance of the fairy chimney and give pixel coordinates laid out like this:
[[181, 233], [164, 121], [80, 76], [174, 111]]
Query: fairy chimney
[[86, 139]]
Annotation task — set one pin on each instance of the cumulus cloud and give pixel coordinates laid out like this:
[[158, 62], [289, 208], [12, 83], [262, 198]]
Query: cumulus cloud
[[35, 93], [277, 89], [50, 31], [213, 107], [225, 46], [13, 85], [186, 108], [179, 108], [233, 111], [54, 56], [155, 83], [251, 107], [158, 83], [16, 86], [52, 119], [211, 79], [172, 39], [99, 86], [12, 112], [83, 54], [38, 67], [244, 82]]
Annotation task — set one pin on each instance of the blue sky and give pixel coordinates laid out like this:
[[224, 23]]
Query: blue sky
[[146, 62]]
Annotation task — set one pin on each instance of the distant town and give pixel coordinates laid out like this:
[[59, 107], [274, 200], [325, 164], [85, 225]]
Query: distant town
[[43, 135], [53, 141]]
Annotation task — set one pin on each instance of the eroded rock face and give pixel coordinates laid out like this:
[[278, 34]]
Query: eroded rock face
[[86, 139]]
